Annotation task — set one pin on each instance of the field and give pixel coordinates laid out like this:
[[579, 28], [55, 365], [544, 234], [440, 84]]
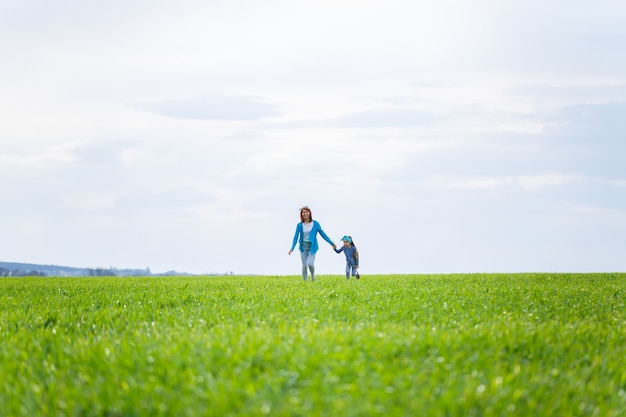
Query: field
[[405, 345]]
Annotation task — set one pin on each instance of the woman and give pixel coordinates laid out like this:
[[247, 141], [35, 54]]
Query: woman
[[306, 236]]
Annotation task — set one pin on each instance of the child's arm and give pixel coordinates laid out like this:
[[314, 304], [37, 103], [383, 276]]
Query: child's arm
[[339, 250], [356, 258]]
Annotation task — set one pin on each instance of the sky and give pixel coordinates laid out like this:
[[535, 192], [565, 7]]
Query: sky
[[448, 136]]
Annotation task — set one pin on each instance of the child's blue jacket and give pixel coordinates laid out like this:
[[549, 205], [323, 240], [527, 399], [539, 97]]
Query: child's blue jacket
[[299, 237], [350, 253]]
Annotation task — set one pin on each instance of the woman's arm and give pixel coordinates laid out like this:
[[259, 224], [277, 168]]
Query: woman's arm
[[324, 236], [295, 237]]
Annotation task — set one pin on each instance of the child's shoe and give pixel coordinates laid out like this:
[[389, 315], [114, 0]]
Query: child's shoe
[[357, 275]]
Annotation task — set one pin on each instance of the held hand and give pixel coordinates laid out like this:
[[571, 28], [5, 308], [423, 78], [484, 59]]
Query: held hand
[[290, 251], [334, 246]]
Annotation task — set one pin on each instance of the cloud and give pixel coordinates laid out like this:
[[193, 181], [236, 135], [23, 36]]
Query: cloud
[[384, 118], [103, 152], [502, 182], [165, 199], [603, 117], [66, 20], [88, 201], [213, 107], [397, 118], [34, 160], [245, 135], [589, 138]]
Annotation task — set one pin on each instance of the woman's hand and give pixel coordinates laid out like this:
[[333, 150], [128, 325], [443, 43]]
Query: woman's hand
[[290, 251]]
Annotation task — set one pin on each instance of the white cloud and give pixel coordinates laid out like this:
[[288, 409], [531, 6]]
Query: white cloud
[[211, 107], [519, 182], [95, 200], [40, 160]]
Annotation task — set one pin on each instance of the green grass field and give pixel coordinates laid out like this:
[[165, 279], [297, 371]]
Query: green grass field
[[406, 345]]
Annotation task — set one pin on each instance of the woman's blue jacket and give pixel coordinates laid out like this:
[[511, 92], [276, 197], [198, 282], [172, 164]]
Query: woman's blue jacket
[[299, 237]]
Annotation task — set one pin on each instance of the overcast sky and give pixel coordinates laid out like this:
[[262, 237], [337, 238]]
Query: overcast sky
[[444, 136]]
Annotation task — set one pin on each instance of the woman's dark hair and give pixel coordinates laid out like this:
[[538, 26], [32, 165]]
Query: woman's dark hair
[[309, 210]]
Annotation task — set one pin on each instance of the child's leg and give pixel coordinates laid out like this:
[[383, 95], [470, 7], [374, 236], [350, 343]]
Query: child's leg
[[348, 271]]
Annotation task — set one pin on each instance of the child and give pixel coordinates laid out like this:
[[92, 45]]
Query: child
[[352, 257]]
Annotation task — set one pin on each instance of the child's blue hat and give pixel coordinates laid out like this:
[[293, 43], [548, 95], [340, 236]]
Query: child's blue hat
[[347, 239]]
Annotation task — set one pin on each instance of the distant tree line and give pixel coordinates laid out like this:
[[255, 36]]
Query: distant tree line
[[8, 269], [100, 272], [20, 273], [17, 269]]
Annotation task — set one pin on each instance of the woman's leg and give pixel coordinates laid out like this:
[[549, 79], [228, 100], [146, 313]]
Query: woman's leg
[[303, 256], [311, 263]]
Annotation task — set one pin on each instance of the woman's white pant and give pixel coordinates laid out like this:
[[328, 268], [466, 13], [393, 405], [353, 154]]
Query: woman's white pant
[[308, 261]]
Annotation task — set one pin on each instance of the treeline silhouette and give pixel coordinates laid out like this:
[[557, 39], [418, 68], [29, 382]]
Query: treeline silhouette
[[14, 269], [20, 273]]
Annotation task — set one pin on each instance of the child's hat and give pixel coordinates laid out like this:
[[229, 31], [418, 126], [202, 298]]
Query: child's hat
[[347, 239]]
